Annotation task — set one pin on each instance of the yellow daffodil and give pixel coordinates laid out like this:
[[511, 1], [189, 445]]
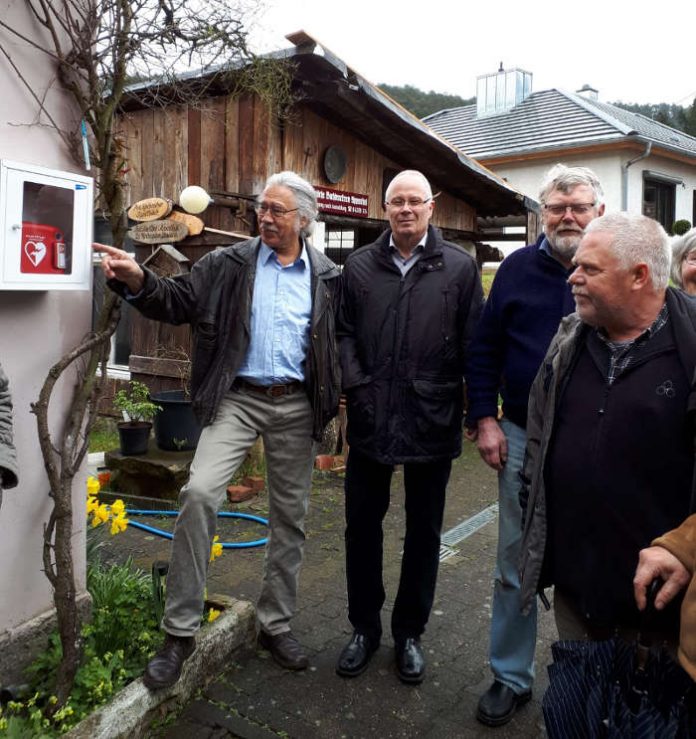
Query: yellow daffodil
[[213, 613], [101, 515], [118, 524], [118, 507], [93, 485], [92, 504], [215, 549]]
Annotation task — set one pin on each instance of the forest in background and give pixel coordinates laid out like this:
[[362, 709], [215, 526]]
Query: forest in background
[[422, 103]]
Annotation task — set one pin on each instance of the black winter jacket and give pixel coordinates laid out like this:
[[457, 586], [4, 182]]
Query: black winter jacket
[[215, 298], [402, 344]]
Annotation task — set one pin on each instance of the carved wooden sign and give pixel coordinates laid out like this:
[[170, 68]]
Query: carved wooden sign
[[193, 223], [150, 209], [159, 232]]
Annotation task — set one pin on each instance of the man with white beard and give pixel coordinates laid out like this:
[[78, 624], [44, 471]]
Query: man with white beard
[[530, 295]]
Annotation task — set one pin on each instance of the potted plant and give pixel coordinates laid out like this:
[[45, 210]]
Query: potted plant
[[138, 411]]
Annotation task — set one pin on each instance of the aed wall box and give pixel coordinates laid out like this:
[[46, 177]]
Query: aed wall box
[[46, 220]]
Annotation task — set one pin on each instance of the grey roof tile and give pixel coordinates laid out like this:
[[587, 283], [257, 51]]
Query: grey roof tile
[[550, 119]]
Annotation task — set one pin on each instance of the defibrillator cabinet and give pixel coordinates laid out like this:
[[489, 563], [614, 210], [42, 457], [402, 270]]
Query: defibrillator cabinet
[[46, 220]]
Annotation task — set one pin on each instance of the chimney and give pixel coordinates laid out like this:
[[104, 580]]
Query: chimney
[[499, 92], [588, 92]]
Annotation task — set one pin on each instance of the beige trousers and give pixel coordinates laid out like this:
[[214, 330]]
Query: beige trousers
[[285, 424]]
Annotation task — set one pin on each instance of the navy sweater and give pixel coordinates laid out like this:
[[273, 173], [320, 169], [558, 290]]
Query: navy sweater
[[530, 295]]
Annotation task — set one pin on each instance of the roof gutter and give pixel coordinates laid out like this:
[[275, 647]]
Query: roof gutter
[[624, 174]]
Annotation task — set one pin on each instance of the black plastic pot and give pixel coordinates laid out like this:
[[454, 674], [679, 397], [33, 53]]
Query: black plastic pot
[[134, 436], [176, 428]]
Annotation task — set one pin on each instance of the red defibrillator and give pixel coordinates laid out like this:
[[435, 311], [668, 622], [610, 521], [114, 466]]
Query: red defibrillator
[[43, 250]]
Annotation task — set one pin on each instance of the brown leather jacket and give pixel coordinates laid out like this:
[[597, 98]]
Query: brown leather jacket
[[681, 542]]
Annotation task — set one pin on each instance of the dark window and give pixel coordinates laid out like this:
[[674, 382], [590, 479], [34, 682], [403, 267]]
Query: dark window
[[658, 202], [340, 242]]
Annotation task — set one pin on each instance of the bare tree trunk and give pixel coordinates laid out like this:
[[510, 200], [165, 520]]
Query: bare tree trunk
[[62, 463]]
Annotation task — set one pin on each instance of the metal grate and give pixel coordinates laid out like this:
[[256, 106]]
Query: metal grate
[[466, 528]]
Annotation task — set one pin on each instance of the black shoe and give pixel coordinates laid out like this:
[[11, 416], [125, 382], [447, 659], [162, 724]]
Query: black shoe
[[410, 662], [499, 703], [164, 669], [356, 655], [285, 650]]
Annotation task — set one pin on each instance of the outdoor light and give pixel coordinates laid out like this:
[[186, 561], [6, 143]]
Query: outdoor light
[[194, 199]]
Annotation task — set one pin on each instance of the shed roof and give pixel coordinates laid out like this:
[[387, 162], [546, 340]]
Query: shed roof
[[329, 87], [549, 120]]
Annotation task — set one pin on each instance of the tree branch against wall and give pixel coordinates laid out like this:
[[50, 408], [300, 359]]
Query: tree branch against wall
[[98, 49]]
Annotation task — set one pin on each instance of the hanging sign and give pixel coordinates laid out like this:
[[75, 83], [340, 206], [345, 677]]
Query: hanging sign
[[150, 209], [341, 202], [158, 232]]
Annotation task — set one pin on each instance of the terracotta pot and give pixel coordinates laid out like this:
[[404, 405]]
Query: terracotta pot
[[239, 493]]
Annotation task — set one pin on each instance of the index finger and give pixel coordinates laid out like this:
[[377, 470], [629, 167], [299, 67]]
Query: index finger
[[112, 251]]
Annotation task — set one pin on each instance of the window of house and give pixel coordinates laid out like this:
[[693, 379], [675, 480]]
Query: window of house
[[121, 339], [340, 242], [658, 201]]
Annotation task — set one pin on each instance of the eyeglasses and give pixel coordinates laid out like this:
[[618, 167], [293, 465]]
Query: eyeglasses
[[577, 209], [413, 203], [276, 211]]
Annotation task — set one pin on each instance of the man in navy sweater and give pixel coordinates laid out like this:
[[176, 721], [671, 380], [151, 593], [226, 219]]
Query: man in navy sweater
[[530, 295]]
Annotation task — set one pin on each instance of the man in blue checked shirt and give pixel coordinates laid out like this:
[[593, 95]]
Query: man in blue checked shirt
[[264, 364]]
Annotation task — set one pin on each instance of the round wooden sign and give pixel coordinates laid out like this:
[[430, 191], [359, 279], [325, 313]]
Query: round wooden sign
[[159, 232], [150, 209]]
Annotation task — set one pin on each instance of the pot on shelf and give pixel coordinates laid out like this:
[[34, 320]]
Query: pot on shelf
[[134, 437], [176, 427]]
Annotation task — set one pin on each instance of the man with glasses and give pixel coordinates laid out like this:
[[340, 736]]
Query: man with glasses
[[264, 364], [529, 296], [409, 304]]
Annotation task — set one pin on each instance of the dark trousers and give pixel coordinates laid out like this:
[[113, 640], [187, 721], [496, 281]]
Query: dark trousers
[[367, 501]]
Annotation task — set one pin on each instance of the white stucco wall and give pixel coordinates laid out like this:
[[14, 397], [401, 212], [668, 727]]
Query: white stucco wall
[[36, 328], [527, 177]]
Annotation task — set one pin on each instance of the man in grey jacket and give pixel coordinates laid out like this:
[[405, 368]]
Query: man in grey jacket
[[264, 364], [8, 453], [609, 460]]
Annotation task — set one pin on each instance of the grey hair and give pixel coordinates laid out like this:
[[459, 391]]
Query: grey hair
[[682, 246], [565, 179], [305, 196], [637, 239], [427, 190]]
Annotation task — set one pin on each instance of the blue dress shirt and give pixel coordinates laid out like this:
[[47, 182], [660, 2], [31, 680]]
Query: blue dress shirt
[[280, 316]]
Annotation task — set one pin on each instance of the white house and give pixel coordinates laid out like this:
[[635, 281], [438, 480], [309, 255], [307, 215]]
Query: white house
[[37, 325], [644, 166]]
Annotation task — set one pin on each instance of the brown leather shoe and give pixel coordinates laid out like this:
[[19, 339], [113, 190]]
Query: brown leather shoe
[[164, 669], [285, 650]]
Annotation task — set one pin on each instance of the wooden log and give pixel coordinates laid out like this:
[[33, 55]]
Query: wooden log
[[193, 223]]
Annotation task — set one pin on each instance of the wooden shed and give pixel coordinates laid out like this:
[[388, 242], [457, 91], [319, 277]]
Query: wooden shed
[[343, 135]]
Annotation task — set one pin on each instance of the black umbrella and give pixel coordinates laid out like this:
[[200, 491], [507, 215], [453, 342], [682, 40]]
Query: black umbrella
[[616, 688]]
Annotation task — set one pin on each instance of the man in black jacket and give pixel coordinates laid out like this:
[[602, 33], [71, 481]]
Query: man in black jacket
[[264, 364], [409, 303], [610, 445]]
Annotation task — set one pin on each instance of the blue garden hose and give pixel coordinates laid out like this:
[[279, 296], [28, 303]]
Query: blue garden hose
[[221, 514]]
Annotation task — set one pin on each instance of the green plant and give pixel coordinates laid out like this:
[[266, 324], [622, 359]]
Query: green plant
[[120, 639], [680, 227], [135, 403]]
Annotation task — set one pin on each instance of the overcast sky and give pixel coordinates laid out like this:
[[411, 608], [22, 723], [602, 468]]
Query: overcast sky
[[625, 52]]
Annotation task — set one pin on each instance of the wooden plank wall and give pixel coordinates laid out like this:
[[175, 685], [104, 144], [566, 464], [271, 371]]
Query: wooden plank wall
[[233, 145]]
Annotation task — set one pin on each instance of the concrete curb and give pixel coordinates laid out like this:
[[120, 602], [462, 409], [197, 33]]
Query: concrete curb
[[130, 711]]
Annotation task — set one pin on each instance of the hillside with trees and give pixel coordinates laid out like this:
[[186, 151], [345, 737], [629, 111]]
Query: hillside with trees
[[422, 103]]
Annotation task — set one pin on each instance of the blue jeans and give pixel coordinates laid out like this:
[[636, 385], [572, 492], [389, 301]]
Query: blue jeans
[[513, 636]]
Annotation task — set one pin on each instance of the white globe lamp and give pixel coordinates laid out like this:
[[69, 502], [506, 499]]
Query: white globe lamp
[[194, 199]]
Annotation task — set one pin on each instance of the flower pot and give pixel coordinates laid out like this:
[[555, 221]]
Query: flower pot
[[176, 427], [134, 436]]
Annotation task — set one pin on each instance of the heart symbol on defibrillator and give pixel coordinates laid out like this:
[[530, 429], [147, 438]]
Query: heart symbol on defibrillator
[[35, 251]]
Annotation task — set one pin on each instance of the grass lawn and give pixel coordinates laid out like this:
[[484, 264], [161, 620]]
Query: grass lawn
[[487, 275], [104, 436]]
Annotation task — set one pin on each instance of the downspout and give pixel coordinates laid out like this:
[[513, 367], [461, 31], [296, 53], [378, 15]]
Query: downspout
[[624, 174]]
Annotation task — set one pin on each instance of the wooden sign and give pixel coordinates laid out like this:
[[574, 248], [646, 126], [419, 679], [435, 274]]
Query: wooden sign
[[158, 232], [193, 223], [150, 209]]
